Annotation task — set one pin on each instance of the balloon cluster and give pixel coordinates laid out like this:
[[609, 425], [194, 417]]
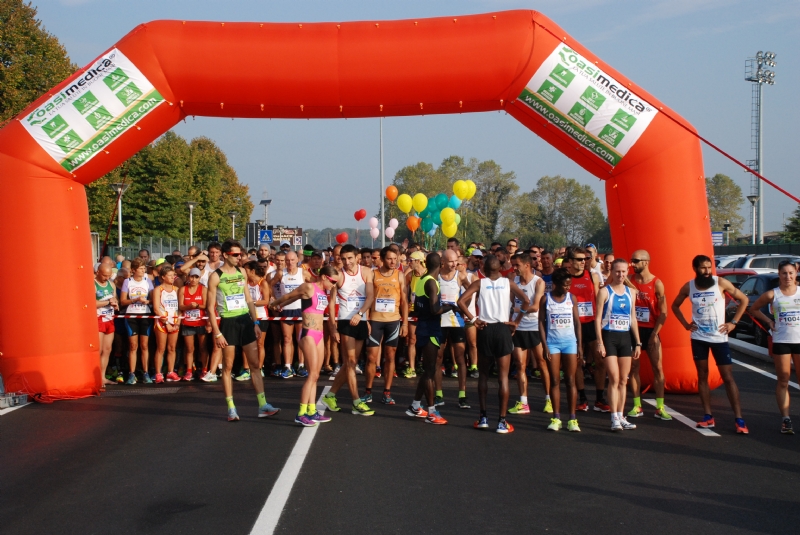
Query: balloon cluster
[[437, 211], [374, 231]]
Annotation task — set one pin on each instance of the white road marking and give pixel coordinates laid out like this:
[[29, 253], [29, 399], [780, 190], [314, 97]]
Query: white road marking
[[765, 374], [267, 520], [3, 412], [684, 420]]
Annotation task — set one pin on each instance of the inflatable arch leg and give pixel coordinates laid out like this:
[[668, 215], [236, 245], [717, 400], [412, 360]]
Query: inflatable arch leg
[[163, 71]]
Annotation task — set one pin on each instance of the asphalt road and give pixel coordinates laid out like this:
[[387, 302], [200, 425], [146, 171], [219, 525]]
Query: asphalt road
[[165, 460]]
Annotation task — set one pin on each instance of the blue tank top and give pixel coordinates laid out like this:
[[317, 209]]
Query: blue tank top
[[617, 311]]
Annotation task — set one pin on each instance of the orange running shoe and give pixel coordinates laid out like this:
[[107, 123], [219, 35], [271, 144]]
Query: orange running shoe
[[707, 423], [741, 428], [435, 418]]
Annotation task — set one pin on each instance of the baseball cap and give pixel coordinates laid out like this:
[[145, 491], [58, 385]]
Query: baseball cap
[[195, 271], [160, 261], [476, 252], [316, 253], [418, 255], [593, 246], [308, 250], [284, 242]]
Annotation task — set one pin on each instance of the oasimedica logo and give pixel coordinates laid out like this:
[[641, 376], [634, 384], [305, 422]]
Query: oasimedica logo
[[594, 73], [41, 115]]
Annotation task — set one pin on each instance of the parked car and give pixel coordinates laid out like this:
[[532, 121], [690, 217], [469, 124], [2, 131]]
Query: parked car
[[727, 261], [763, 263], [753, 287], [736, 276]]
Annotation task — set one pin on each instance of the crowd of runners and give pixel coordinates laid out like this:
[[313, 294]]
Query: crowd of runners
[[400, 311]]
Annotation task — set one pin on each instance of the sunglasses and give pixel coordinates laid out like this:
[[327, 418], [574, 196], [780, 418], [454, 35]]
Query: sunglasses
[[637, 260], [235, 255], [582, 259], [331, 280]]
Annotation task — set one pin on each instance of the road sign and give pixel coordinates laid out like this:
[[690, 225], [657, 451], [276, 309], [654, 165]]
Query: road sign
[[716, 237], [264, 236], [298, 240]]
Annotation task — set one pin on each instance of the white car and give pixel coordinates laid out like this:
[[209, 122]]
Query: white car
[[727, 261], [763, 263]]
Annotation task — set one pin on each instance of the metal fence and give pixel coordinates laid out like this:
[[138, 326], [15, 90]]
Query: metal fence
[[158, 247], [778, 248]]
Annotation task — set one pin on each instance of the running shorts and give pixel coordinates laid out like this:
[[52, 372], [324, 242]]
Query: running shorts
[[139, 326], [563, 347], [785, 349], [429, 331], [359, 332], [720, 350], [588, 334], [644, 335], [295, 313], [454, 335], [617, 343], [494, 341], [105, 327], [191, 330], [526, 339], [238, 330], [384, 332]]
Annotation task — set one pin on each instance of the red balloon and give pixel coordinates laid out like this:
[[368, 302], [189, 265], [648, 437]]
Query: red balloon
[[341, 238], [360, 214]]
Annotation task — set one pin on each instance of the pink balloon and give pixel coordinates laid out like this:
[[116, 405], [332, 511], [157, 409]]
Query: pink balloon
[[393, 223], [389, 233], [374, 232], [373, 222]]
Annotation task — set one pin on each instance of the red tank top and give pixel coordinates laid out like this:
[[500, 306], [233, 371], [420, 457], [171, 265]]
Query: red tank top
[[191, 316], [507, 272], [583, 289], [646, 310]]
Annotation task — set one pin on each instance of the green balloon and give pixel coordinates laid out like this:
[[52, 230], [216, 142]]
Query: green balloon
[[437, 218], [441, 201], [458, 219], [427, 225]]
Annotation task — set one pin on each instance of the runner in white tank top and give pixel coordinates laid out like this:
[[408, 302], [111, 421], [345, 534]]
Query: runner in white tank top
[[710, 333], [352, 294], [785, 327], [165, 299], [470, 330], [289, 283]]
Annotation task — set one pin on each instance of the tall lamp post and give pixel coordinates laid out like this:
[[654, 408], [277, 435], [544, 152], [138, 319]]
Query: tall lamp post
[[755, 70], [753, 200], [120, 189], [191, 205], [233, 215]]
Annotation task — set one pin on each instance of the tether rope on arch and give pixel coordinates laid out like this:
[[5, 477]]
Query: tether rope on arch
[[698, 136]]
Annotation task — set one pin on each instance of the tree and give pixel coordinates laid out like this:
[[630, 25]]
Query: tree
[[566, 209], [791, 232], [725, 199], [31, 59]]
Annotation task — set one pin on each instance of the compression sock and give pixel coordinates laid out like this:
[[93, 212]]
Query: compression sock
[[637, 402], [659, 403], [546, 397], [229, 401], [439, 394], [302, 410], [523, 400], [311, 409], [431, 410], [582, 395], [557, 416], [462, 394], [600, 393], [262, 399], [416, 404], [572, 416]]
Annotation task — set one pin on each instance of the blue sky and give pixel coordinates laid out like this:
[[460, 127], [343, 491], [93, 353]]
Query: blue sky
[[688, 53]]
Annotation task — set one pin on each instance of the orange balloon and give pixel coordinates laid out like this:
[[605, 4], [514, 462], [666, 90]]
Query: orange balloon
[[413, 223], [392, 193]]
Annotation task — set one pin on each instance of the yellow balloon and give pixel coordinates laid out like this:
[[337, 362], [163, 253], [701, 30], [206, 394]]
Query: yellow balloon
[[450, 229], [472, 189], [404, 203], [420, 202], [448, 215], [460, 189]]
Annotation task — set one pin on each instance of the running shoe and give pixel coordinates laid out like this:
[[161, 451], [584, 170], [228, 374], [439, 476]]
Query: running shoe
[[537, 374], [582, 406], [209, 378], [244, 375], [408, 373], [482, 423], [159, 378], [188, 376], [387, 400], [119, 379], [520, 408], [555, 424], [626, 425], [416, 413], [463, 403], [232, 415], [320, 418], [304, 420], [276, 371], [377, 371], [435, 418], [262, 372], [146, 378], [503, 427], [362, 409], [635, 412], [454, 372], [616, 425], [473, 372], [286, 373], [601, 406], [438, 401], [330, 401], [267, 410], [173, 377], [301, 371], [572, 425], [359, 371], [786, 427], [662, 414], [707, 422], [548, 406], [741, 428], [131, 379], [367, 398], [561, 375], [327, 370]]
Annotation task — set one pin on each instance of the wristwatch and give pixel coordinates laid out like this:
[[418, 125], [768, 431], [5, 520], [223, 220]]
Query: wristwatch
[[734, 322], [360, 313]]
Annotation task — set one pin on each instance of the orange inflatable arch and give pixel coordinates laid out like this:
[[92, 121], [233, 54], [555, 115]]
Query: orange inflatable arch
[[163, 71]]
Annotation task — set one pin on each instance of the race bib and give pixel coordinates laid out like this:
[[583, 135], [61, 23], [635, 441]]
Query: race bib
[[193, 314], [619, 322], [789, 319], [384, 305], [171, 305], [107, 313], [643, 314], [560, 321], [355, 302], [235, 302], [586, 309], [322, 302]]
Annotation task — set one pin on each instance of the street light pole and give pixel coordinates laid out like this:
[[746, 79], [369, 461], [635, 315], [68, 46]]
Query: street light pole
[[120, 189], [383, 215], [753, 200], [191, 205], [233, 215]]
